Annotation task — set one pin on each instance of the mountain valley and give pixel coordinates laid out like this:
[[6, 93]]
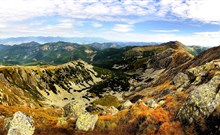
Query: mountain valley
[[69, 88]]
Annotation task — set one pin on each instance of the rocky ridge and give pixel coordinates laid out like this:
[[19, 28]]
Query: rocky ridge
[[55, 85]]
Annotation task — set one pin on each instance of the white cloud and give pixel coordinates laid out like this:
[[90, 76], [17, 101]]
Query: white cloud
[[125, 13], [96, 24], [60, 26], [61, 29], [122, 27], [165, 31], [2, 25], [111, 10], [205, 11]]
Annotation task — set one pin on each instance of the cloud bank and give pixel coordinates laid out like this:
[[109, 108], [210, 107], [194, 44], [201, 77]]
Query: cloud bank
[[111, 10], [30, 17]]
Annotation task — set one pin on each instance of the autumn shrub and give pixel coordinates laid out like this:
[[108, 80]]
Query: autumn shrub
[[170, 128], [139, 120]]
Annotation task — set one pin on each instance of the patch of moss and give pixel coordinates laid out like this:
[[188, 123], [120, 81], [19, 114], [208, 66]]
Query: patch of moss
[[107, 100]]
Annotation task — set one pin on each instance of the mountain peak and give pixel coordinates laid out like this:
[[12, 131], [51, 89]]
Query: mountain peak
[[175, 44], [32, 43]]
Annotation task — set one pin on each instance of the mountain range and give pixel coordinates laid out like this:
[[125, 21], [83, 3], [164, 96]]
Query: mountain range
[[79, 40], [33, 53], [168, 88]]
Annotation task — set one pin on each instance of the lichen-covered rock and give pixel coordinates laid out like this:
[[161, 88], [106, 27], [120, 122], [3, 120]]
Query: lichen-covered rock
[[111, 111], [86, 121], [201, 102], [152, 103], [126, 104], [181, 80], [74, 109], [19, 124]]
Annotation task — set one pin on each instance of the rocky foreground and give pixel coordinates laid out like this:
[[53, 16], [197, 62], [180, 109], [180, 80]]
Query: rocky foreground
[[169, 91]]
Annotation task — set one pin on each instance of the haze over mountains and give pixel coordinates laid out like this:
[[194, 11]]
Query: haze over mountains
[[42, 39], [79, 40]]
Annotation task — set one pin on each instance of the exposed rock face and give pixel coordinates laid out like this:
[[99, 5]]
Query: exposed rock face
[[201, 102], [204, 96], [86, 122], [19, 124], [181, 80]]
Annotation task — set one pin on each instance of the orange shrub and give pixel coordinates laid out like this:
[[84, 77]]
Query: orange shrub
[[105, 118], [173, 128], [158, 115]]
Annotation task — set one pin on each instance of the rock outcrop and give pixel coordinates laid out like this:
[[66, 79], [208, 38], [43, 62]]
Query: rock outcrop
[[86, 122], [126, 104], [19, 124], [181, 80], [152, 103], [203, 84]]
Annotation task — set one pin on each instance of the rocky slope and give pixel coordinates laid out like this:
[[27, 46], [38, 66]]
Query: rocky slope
[[196, 81], [158, 68], [55, 85]]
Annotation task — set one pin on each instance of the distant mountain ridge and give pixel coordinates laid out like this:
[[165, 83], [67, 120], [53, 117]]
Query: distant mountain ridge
[[101, 54], [96, 42], [42, 39]]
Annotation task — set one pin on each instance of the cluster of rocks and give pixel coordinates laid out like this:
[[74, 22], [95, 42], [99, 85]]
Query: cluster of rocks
[[84, 120], [201, 102], [203, 84]]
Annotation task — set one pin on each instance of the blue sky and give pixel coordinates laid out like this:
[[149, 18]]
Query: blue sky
[[193, 22]]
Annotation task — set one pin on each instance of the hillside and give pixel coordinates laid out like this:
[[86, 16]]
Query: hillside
[[33, 53], [161, 89], [48, 85], [52, 53]]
